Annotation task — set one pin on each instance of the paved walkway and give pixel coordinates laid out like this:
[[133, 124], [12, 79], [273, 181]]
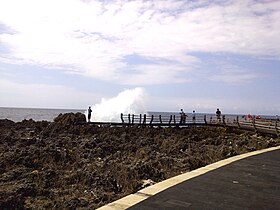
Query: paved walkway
[[249, 183]]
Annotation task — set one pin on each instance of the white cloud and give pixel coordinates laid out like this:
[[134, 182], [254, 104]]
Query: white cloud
[[233, 77], [233, 74], [92, 37], [43, 95], [163, 71]]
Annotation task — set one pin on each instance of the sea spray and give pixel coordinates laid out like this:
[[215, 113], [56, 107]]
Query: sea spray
[[129, 101]]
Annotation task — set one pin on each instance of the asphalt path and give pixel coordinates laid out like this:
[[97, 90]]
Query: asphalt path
[[250, 183]]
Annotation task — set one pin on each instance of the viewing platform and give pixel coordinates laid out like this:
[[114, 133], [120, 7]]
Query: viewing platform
[[260, 125]]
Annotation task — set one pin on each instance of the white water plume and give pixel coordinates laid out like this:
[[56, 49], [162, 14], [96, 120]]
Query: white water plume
[[129, 101]]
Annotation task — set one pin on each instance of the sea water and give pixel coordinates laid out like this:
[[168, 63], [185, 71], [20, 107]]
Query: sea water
[[37, 114]]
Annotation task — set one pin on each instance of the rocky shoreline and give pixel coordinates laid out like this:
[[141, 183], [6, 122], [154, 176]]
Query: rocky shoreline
[[68, 164]]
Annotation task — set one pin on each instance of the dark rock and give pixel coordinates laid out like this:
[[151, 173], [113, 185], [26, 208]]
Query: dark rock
[[70, 164], [28, 189], [6, 123], [73, 203], [70, 118], [11, 201]]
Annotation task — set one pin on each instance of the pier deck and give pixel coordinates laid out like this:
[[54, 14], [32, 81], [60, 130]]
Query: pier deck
[[267, 126]]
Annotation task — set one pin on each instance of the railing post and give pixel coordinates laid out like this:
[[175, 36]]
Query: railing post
[[140, 119], [237, 120], [224, 119], [132, 119], [254, 122], [144, 120], [170, 119], [128, 118], [205, 121], [160, 119], [152, 118], [211, 120], [174, 119], [276, 129], [122, 117]]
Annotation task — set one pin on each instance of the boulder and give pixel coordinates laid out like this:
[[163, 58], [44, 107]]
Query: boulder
[[6, 123], [70, 118]]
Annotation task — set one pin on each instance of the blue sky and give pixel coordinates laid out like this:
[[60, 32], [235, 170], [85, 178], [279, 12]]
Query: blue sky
[[183, 54]]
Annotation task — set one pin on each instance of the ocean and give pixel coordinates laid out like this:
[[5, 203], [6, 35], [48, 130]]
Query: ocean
[[37, 114]]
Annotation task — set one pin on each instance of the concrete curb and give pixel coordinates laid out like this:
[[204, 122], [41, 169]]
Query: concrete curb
[[145, 193]]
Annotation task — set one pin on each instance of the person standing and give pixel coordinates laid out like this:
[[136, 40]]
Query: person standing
[[89, 113], [183, 117], [193, 116], [218, 114]]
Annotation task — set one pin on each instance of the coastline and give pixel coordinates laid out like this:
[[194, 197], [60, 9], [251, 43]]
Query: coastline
[[61, 164]]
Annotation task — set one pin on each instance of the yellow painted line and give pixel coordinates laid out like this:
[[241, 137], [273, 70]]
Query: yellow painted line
[[145, 193]]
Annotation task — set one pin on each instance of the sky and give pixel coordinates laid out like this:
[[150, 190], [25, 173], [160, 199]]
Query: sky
[[196, 55]]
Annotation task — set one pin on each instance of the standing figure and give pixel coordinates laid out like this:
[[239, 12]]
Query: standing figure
[[183, 117], [193, 116], [89, 113], [218, 114]]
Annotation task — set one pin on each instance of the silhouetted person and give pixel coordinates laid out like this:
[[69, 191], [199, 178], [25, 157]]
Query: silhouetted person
[[193, 116], [218, 114], [89, 113], [183, 117]]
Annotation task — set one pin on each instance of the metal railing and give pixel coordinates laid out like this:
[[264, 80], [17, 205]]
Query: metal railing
[[145, 119], [259, 125]]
